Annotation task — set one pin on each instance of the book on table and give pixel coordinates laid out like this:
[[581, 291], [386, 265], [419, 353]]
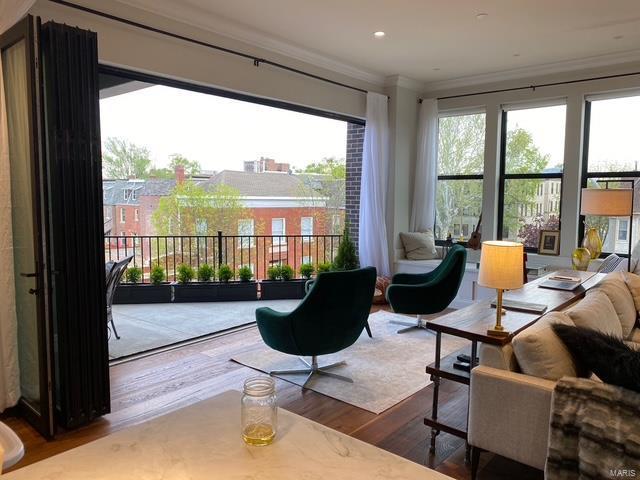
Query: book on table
[[567, 280]]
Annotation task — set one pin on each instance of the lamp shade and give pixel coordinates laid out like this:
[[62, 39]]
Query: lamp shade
[[610, 202], [501, 265]]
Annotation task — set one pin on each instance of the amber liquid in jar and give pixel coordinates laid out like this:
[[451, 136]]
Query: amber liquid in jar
[[259, 411]]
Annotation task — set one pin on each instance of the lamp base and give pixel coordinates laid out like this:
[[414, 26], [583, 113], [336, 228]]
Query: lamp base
[[498, 332]]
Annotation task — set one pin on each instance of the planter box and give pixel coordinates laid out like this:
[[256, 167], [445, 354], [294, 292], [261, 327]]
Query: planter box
[[142, 293], [281, 289], [214, 292]]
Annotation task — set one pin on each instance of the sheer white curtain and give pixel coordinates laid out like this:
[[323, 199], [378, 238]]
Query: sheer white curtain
[[13, 10], [423, 213], [373, 248], [9, 371]]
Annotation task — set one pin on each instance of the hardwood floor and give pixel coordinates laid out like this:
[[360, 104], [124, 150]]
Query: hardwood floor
[[154, 385]]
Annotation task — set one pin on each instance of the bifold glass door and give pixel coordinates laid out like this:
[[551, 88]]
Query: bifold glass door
[[20, 89]]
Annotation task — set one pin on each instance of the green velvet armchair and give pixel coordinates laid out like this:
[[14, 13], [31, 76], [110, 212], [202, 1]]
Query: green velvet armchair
[[425, 293], [329, 319]]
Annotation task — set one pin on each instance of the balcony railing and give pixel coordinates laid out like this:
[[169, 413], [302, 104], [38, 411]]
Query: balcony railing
[[256, 251]]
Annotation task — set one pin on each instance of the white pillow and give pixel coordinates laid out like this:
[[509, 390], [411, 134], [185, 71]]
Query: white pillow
[[596, 311], [541, 353], [615, 287], [419, 245]]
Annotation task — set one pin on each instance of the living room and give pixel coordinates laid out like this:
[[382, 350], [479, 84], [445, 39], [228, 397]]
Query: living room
[[490, 239]]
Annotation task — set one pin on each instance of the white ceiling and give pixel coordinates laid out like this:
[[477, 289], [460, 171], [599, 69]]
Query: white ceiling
[[427, 40]]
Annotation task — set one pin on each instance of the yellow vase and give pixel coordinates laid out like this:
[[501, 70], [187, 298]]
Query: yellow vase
[[580, 259], [593, 243]]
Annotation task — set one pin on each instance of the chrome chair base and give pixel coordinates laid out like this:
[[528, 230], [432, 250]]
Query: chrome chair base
[[314, 369], [419, 324]]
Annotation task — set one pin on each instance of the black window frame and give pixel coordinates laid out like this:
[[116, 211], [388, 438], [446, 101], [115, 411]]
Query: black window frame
[[479, 176], [586, 175], [504, 176]]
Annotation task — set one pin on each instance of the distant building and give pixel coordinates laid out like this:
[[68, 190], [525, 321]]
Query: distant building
[[266, 165]]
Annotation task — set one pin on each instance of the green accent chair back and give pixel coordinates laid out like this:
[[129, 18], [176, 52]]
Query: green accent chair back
[[330, 318], [432, 292]]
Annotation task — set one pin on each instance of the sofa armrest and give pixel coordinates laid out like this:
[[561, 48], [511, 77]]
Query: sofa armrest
[[509, 414]]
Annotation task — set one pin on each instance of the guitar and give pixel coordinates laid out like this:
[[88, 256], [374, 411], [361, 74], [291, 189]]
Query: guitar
[[474, 239]]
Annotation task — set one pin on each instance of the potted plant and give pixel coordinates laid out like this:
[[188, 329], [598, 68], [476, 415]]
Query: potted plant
[[230, 290], [281, 284], [186, 290], [306, 270], [324, 267], [132, 292]]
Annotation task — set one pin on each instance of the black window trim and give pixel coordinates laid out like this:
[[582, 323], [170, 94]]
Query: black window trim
[[503, 176]]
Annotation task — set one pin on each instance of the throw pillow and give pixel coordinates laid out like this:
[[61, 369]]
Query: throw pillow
[[596, 311], [539, 351], [606, 356], [418, 245], [615, 287]]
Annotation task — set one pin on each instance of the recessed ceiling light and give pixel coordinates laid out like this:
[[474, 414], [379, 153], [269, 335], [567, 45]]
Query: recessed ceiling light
[[618, 37], [436, 69], [516, 54], [379, 34], [482, 16]]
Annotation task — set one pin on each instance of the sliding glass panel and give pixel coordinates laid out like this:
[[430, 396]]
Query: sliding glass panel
[[458, 206], [530, 205]]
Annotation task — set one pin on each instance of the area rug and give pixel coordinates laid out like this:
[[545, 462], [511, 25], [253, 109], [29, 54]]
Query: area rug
[[385, 369]]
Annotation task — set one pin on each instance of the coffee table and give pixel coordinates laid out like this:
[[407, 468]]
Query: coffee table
[[203, 442]]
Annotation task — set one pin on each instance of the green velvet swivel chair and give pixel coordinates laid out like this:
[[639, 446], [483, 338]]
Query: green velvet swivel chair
[[329, 319], [425, 293]]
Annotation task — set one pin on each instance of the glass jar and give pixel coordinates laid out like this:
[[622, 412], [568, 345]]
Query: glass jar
[[580, 259], [259, 411]]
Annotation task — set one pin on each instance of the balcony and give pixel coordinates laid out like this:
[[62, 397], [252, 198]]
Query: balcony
[[145, 325]]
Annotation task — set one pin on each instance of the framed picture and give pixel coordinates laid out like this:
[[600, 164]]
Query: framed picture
[[549, 242]]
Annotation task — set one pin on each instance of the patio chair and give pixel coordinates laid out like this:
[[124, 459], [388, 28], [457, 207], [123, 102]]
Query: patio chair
[[329, 319], [114, 272], [426, 293]]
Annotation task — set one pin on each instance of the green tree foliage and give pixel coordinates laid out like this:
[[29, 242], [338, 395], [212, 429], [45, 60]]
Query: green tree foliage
[[191, 167], [346, 258], [191, 209], [123, 159], [331, 166]]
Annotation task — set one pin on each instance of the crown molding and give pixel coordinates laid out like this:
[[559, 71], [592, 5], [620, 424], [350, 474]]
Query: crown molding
[[536, 70], [238, 32], [404, 82]]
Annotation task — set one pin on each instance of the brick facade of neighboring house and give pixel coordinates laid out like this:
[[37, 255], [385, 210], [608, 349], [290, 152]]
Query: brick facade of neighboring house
[[121, 207], [355, 142]]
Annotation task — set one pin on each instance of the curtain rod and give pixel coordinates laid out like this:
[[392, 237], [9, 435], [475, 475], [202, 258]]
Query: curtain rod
[[256, 60], [533, 87]]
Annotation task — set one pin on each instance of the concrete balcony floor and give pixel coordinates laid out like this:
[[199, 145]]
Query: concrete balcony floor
[[149, 326]]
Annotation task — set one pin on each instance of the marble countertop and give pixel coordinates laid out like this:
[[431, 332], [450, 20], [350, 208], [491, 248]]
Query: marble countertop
[[203, 442]]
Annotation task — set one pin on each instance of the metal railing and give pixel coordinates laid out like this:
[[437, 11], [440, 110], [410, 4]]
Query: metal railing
[[256, 251]]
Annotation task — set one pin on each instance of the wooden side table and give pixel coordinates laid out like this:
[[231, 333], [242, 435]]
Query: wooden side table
[[472, 323]]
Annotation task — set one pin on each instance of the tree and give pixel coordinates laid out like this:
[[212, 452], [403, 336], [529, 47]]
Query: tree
[[346, 258], [529, 233], [323, 184], [123, 159], [191, 167], [191, 209]]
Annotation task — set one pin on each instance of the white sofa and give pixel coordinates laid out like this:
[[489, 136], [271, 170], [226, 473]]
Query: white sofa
[[510, 395]]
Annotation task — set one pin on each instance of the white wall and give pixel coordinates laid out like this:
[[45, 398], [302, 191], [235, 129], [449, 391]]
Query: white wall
[[137, 49], [574, 94]]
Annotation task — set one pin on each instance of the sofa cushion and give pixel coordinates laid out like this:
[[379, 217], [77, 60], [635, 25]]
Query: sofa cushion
[[419, 245], [615, 287], [596, 311], [633, 284], [541, 353], [608, 357], [635, 335]]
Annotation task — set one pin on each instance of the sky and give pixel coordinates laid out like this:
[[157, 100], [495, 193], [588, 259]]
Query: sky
[[218, 132]]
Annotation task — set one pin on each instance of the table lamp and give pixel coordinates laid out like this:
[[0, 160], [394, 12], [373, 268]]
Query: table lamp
[[501, 266], [609, 202]]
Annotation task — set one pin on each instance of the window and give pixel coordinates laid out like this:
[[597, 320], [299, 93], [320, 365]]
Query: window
[[623, 229], [531, 166], [611, 153], [460, 168], [130, 194], [123, 216], [277, 230], [306, 227], [136, 215], [245, 227], [202, 227], [307, 259]]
